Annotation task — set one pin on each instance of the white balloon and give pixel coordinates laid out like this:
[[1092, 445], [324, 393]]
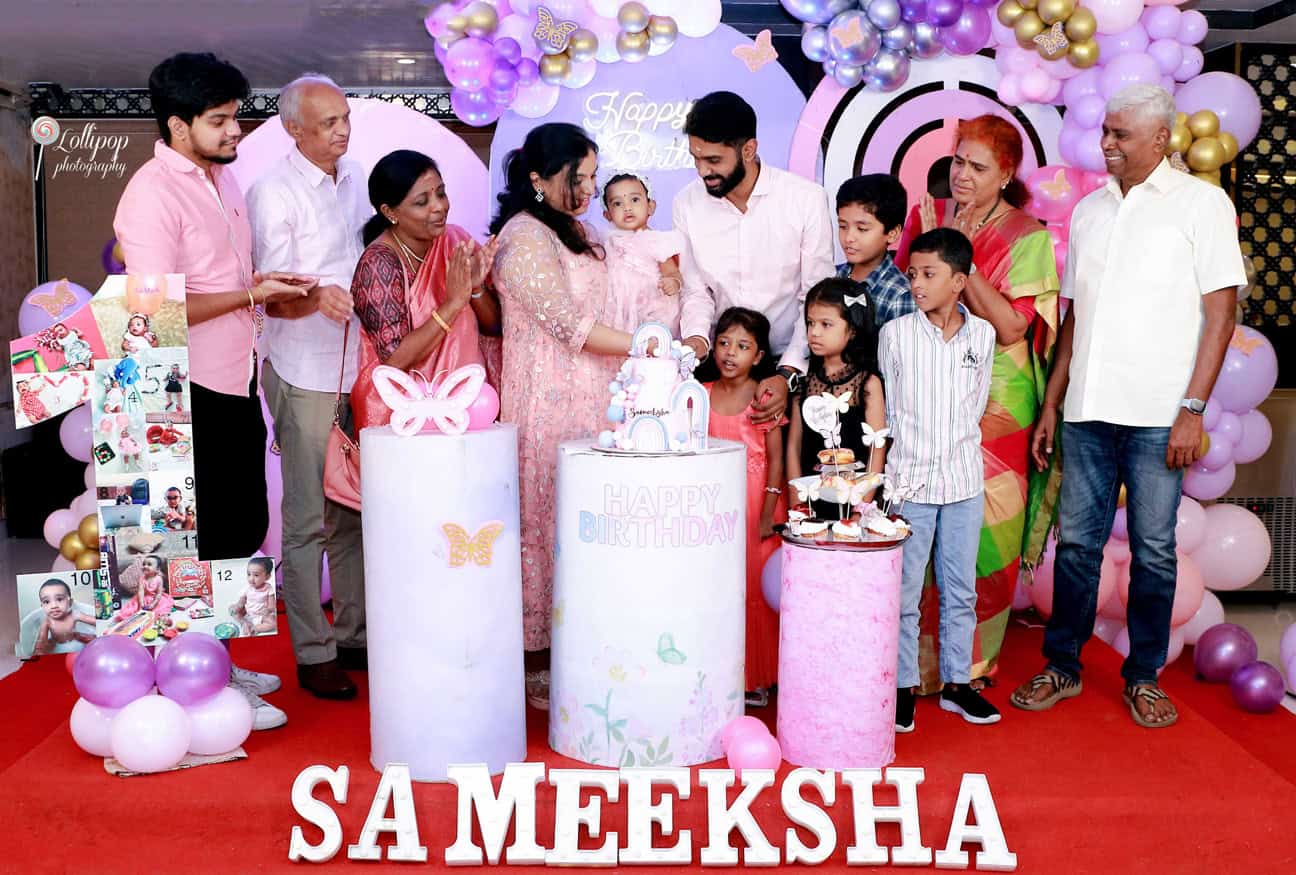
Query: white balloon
[[697, 18], [220, 723], [582, 73], [605, 8], [91, 727], [150, 734], [535, 100], [90, 476]]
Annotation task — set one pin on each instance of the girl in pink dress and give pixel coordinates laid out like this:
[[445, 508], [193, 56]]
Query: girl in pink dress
[[29, 400], [151, 595], [128, 447], [644, 281], [558, 358], [743, 358]]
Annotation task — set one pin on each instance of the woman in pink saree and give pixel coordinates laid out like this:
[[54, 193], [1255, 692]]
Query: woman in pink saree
[[418, 286]]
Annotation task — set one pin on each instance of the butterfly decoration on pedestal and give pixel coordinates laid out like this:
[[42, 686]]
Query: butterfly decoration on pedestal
[[896, 492], [465, 548], [419, 406]]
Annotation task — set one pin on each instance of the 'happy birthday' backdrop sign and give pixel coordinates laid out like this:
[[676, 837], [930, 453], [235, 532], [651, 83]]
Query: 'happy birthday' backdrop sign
[[635, 112]]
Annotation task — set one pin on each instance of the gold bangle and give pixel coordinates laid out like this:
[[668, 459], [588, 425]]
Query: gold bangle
[[445, 326], [251, 300]]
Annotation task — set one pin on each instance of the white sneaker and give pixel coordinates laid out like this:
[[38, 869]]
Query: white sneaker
[[264, 715], [254, 682]]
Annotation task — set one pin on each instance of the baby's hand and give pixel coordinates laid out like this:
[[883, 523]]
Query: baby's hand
[[669, 285]]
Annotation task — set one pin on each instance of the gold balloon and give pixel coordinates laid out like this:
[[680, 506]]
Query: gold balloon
[[120, 258], [1081, 25], [662, 31], [1205, 155], [1213, 177], [457, 26], [1055, 10], [482, 19], [1008, 12], [583, 45], [71, 547], [1028, 4], [633, 47], [1027, 28], [1180, 139], [633, 18], [1203, 123], [554, 68], [1230, 144], [87, 560], [1083, 54], [88, 531], [1181, 118]]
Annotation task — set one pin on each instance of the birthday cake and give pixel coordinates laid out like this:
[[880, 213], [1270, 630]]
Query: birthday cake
[[656, 405]]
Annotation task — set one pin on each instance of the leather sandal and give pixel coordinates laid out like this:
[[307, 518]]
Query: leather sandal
[[1063, 688]]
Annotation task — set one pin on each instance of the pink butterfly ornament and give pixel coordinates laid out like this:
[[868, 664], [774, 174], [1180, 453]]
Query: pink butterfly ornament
[[444, 406]]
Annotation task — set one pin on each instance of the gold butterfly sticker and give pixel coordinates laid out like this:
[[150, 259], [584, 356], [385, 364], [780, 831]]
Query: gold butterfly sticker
[[57, 301], [1058, 186], [476, 548], [1243, 343], [549, 30], [757, 55], [849, 35], [1052, 42]]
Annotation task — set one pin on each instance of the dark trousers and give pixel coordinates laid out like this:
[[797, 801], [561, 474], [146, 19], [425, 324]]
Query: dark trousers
[[229, 452]]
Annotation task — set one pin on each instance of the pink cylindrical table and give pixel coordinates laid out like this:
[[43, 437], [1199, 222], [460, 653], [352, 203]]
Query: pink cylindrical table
[[839, 633]]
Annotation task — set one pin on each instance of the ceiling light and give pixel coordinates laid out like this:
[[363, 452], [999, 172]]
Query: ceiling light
[[405, 61]]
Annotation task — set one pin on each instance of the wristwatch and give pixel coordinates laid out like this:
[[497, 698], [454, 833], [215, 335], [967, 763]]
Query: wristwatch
[[1193, 405], [793, 377]]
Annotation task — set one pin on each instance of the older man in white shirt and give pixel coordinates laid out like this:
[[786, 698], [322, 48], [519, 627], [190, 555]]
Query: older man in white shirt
[[759, 238], [1153, 272], [307, 212]]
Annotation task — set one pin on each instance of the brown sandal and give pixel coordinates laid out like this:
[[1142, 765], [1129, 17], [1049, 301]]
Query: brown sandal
[[1151, 694], [1063, 688]]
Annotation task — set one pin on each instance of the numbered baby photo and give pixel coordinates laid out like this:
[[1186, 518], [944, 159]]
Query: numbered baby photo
[[55, 613], [138, 312], [148, 383], [37, 397], [123, 503], [244, 590], [173, 506]]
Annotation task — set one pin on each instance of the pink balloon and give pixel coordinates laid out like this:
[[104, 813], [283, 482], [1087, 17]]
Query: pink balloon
[[1167, 53], [1161, 22], [1106, 629], [1120, 524], [1121, 643], [1061, 69], [1229, 428], [1021, 596], [1206, 485], [753, 750], [1192, 27], [484, 408], [1041, 586], [58, 524], [741, 726], [76, 433], [220, 723], [84, 505], [61, 564], [1236, 549], [1214, 410], [1257, 434], [1113, 608], [1250, 369], [1115, 15], [1088, 82], [91, 727], [151, 734], [1291, 675], [1189, 591], [1131, 41], [1175, 648], [1191, 65], [1054, 189], [1010, 90], [1218, 455], [106, 425], [1287, 645], [1210, 613], [1125, 70], [1088, 150], [1190, 527], [33, 317], [1117, 551]]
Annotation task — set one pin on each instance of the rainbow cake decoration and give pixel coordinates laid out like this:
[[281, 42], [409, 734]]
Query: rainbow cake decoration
[[657, 406]]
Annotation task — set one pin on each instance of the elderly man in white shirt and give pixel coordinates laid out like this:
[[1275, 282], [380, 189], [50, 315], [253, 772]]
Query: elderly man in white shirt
[[1153, 272], [307, 212], [758, 237]]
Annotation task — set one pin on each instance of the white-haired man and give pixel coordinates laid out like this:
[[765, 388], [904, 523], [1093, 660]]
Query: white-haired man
[[1153, 271], [307, 212]]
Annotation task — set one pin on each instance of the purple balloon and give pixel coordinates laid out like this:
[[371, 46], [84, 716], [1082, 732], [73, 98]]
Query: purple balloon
[[913, 11], [1214, 410], [109, 262], [1222, 650], [1230, 97], [815, 11], [503, 77], [1257, 434], [1089, 111], [1089, 153], [1249, 373], [192, 667], [113, 671], [944, 13], [1133, 40], [1166, 52], [528, 72], [772, 580], [507, 49], [76, 434], [33, 317], [1193, 61], [969, 34], [1125, 70], [1228, 429], [1088, 82], [1161, 22], [1257, 686], [476, 108], [1219, 454], [1206, 485], [1192, 27], [469, 62]]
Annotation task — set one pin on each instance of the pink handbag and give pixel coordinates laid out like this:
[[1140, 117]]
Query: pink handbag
[[342, 459]]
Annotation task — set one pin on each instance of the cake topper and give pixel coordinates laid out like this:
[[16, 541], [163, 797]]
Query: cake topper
[[896, 490], [874, 440], [823, 414]]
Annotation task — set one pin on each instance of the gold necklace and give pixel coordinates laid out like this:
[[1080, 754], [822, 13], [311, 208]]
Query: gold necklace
[[405, 249]]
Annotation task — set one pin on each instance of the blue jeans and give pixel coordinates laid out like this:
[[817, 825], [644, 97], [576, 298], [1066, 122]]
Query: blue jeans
[[1097, 458], [955, 531]]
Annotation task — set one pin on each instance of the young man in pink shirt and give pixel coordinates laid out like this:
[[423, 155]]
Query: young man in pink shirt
[[181, 213]]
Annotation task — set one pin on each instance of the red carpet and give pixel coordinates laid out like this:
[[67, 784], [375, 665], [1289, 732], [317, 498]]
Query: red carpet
[[1078, 789]]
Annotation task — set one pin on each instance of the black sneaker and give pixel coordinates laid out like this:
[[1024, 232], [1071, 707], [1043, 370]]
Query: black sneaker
[[904, 719], [963, 700]]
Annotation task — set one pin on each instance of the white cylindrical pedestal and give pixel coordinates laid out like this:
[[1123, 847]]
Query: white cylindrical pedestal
[[443, 599], [649, 595]]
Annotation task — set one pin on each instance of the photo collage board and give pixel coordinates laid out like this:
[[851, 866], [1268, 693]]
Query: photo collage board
[[151, 584]]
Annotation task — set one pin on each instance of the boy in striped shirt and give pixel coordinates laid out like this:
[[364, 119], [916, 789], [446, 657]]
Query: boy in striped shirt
[[935, 366]]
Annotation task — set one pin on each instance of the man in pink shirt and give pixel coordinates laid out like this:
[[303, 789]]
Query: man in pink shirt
[[180, 213]]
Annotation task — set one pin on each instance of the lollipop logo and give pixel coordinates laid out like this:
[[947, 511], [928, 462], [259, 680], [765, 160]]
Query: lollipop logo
[[45, 131]]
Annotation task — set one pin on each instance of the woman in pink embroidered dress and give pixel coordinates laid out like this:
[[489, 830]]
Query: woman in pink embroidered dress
[[558, 359]]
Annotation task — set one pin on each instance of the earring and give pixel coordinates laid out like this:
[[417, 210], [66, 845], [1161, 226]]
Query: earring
[[539, 196]]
